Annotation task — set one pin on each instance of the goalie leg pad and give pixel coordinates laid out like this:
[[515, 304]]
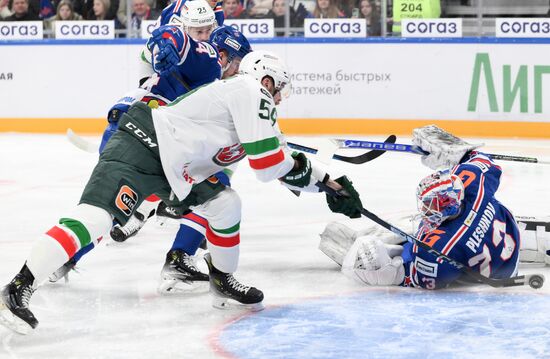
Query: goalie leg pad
[[336, 240], [535, 240]]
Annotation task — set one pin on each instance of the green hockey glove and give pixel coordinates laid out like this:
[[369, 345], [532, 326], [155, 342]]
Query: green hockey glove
[[350, 204], [301, 176]]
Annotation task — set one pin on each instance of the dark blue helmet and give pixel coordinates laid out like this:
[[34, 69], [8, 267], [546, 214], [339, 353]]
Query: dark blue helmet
[[231, 40]]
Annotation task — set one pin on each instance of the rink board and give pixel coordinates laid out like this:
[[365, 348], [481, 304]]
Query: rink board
[[474, 87]]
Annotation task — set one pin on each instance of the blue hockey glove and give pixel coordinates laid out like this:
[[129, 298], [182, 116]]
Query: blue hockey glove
[[166, 59], [166, 43]]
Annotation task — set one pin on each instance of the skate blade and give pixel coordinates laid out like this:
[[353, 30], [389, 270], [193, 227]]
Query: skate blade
[[227, 303], [11, 321], [174, 286]]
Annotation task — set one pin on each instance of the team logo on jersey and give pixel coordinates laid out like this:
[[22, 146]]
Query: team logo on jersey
[[425, 267], [126, 200], [228, 155]]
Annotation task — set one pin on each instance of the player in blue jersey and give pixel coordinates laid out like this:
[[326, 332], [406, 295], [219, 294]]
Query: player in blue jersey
[[171, 15], [196, 64], [459, 217]]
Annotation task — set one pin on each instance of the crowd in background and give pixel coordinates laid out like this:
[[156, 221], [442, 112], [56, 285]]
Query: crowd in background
[[57, 10]]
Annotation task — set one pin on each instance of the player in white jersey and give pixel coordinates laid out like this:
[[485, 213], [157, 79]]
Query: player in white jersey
[[165, 151]]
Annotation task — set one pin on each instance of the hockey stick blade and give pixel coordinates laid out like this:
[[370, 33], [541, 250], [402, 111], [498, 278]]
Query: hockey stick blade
[[81, 142], [535, 281], [399, 147], [356, 160]]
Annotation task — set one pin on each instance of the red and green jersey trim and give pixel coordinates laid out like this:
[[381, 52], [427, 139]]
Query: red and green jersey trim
[[268, 161], [261, 147], [264, 153]]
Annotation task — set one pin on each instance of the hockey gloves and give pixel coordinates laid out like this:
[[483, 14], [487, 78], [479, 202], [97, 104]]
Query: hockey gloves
[[445, 150], [348, 204], [301, 176], [165, 44]]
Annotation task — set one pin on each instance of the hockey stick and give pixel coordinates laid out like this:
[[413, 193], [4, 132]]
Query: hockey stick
[[535, 281], [356, 160], [417, 150], [91, 147], [81, 142]]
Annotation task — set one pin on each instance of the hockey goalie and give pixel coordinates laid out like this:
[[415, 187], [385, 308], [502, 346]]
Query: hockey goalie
[[458, 216]]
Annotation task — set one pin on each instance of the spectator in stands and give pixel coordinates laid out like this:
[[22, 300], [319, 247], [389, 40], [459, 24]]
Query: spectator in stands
[[141, 11], [327, 9], [346, 7], [88, 10], [367, 10], [65, 12], [233, 9], [258, 8], [4, 9], [21, 12], [277, 13], [34, 7], [102, 10]]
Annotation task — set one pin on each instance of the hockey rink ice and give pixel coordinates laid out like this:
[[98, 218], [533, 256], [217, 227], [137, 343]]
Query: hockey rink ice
[[110, 308]]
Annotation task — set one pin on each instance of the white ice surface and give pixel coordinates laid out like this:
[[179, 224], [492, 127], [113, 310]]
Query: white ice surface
[[110, 308]]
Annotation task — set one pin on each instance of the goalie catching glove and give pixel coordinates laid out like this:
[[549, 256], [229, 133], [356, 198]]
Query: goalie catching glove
[[445, 149]]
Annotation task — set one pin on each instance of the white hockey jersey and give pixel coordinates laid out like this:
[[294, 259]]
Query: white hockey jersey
[[216, 125]]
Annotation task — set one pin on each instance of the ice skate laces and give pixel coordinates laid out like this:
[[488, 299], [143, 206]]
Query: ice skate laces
[[134, 224], [189, 263], [233, 283], [26, 294]]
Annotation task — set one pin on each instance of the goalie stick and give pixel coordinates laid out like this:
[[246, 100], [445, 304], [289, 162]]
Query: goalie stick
[[398, 147], [535, 281], [356, 160]]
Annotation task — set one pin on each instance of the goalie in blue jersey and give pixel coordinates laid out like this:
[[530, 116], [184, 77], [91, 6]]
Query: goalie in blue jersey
[[459, 217]]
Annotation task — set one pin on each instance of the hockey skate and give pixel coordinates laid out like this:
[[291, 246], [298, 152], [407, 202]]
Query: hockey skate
[[224, 287], [14, 303], [131, 228], [63, 271], [180, 274], [166, 213]]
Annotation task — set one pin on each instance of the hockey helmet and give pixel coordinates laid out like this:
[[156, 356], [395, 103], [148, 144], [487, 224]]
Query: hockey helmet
[[439, 196], [231, 40], [197, 13], [261, 63]]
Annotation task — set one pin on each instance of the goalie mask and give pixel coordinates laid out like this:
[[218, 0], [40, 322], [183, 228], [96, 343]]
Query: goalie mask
[[439, 197]]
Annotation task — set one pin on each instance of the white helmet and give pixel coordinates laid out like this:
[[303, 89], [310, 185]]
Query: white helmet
[[197, 13], [262, 63]]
